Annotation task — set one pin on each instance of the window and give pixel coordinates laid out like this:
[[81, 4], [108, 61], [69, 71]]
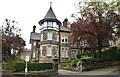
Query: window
[[49, 24], [49, 35], [58, 38], [34, 44], [54, 24], [45, 24], [64, 39], [57, 51], [74, 54], [64, 52], [40, 51], [49, 50], [42, 26], [33, 55], [41, 37]]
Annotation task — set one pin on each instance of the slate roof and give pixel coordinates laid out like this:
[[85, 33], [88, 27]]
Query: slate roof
[[65, 29], [50, 14], [34, 36]]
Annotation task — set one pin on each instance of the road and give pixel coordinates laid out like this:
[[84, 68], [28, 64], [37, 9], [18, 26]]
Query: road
[[66, 73]]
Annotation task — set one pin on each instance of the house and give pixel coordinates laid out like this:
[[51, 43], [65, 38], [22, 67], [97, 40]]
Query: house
[[52, 40], [24, 53]]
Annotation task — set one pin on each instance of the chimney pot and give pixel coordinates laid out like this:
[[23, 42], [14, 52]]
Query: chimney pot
[[34, 28]]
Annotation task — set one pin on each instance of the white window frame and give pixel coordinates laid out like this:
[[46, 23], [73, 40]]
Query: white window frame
[[50, 34], [49, 24], [41, 50], [73, 53], [49, 50], [57, 38], [54, 24], [64, 52], [34, 55], [64, 39], [45, 24], [41, 37]]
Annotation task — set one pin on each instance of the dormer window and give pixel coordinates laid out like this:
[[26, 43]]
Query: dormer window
[[49, 24]]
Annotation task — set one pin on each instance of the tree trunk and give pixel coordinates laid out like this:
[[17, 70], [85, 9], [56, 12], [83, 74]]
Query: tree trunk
[[99, 48], [94, 53]]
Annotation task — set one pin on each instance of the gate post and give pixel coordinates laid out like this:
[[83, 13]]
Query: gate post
[[55, 64]]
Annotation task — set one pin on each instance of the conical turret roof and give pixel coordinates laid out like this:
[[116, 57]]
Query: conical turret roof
[[50, 14]]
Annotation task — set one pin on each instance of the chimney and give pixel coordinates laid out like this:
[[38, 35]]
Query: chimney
[[34, 28], [65, 22]]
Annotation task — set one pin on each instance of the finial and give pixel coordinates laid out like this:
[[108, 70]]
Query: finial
[[50, 4]]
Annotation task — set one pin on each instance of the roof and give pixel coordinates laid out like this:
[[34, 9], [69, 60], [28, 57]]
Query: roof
[[50, 14], [34, 36], [65, 29]]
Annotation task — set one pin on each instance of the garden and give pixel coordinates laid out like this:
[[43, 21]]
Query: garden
[[16, 66], [84, 62]]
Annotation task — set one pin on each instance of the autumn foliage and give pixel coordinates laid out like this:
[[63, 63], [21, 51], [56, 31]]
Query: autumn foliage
[[12, 43], [96, 27]]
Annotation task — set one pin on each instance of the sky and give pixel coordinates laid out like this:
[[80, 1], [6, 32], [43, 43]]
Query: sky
[[29, 12]]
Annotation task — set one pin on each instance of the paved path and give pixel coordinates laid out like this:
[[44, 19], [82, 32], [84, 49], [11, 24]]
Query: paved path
[[66, 72]]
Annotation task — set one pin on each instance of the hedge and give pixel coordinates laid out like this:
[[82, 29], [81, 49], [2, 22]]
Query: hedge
[[20, 67]]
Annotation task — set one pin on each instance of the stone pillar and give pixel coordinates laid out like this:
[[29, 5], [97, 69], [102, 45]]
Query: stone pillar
[[55, 64]]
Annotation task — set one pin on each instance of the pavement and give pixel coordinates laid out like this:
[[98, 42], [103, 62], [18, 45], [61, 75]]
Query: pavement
[[67, 73]]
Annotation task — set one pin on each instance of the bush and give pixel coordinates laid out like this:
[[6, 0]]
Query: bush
[[10, 63], [84, 55], [20, 67], [111, 54], [19, 60], [74, 62]]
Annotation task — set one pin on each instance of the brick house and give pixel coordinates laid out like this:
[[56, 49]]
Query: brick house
[[52, 40]]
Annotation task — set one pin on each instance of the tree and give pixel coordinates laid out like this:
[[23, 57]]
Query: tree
[[96, 25], [12, 43]]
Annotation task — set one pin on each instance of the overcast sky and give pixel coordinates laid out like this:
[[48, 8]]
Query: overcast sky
[[28, 13]]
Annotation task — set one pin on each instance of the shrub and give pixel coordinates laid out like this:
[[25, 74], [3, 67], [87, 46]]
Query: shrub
[[10, 63], [83, 55], [20, 67], [111, 54], [19, 60], [74, 62]]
